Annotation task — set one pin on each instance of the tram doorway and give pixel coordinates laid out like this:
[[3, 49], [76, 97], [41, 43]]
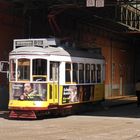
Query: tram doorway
[[53, 85]]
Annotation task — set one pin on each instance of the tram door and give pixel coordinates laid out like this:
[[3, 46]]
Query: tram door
[[53, 86]]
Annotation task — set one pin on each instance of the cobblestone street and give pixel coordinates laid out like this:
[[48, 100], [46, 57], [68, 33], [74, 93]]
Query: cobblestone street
[[115, 123]]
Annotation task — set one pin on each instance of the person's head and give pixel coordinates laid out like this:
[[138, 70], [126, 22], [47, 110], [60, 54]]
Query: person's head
[[27, 87]]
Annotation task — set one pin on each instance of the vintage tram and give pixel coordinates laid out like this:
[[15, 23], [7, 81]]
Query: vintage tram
[[48, 78]]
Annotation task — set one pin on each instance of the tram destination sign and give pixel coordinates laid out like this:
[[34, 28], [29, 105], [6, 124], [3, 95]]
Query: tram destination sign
[[41, 42], [30, 43], [24, 43]]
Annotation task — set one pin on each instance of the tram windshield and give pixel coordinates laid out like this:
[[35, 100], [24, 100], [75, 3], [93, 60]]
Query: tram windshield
[[28, 79], [23, 72], [12, 69], [39, 69]]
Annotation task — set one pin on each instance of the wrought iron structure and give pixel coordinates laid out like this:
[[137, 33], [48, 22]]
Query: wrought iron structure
[[127, 11], [128, 14]]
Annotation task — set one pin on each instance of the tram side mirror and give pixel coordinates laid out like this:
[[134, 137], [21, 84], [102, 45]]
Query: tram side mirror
[[4, 67]]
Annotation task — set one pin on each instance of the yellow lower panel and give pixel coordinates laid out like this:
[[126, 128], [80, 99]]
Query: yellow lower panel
[[60, 94], [15, 103], [99, 92]]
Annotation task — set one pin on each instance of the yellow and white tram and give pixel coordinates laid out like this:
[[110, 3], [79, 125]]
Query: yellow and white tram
[[46, 78]]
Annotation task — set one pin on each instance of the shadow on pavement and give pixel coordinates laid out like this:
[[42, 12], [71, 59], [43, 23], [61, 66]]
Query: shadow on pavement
[[124, 110], [4, 114], [125, 107]]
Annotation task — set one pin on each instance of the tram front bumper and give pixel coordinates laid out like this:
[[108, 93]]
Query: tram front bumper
[[24, 114]]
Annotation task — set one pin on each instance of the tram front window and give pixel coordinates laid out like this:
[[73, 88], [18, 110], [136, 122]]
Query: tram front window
[[29, 91], [23, 72], [39, 69], [12, 69]]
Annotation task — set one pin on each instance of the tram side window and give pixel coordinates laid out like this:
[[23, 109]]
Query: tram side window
[[81, 73], [39, 69], [12, 69], [93, 73], [98, 73], [23, 72], [68, 72], [75, 72], [54, 71], [87, 74]]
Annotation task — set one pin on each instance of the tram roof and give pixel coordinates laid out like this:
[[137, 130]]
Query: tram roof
[[59, 51]]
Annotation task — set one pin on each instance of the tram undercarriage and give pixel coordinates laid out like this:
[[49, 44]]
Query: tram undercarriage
[[54, 110]]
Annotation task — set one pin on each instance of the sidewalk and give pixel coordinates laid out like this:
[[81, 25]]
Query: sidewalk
[[121, 100]]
